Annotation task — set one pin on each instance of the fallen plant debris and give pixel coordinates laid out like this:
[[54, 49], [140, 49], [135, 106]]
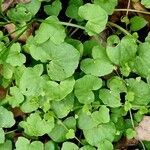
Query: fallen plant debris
[[74, 75]]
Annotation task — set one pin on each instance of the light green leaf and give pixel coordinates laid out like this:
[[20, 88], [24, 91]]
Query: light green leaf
[[142, 61], [16, 97], [63, 107], [36, 126], [100, 65], [102, 132], [24, 144], [87, 147], [55, 91], [33, 6], [15, 58], [95, 15], [107, 5], [6, 118], [141, 91], [117, 84], [30, 104], [130, 133], [50, 29], [103, 145], [110, 98], [54, 8], [125, 50], [69, 146], [31, 83], [19, 14], [2, 136], [58, 133], [50, 145], [72, 9], [70, 134], [101, 116], [84, 87], [8, 71], [146, 3], [83, 119], [63, 58], [137, 23], [6, 146]]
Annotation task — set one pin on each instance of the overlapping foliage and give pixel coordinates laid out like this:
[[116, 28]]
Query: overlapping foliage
[[71, 93]]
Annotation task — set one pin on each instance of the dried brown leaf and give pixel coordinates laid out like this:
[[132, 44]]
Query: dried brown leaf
[[143, 129], [11, 28]]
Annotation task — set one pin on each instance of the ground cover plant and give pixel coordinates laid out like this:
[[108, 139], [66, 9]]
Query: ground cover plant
[[74, 74]]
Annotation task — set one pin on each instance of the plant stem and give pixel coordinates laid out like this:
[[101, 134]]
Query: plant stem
[[132, 121], [64, 23], [133, 10], [72, 25], [121, 29], [67, 128]]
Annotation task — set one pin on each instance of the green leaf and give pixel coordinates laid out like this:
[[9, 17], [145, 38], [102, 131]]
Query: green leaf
[[77, 44], [16, 97], [101, 116], [100, 65], [72, 9], [117, 84], [31, 83], [96, 18], [125, 50], [141, 91], [15, 58], [50, 29], [69, 146], [55, 91], [83, 119], [130, 133], [103, 145], [50, 145], [84, 88], [110, 98], [24, 144], [58, 133], [36, 126], [30, 104], [63, 58], [137, 23], [33, 6], [8, 71], [54, 8], [63, 107], [2, 136], [19, 14], [87, 147], [146, 3], [6, 118], [102, 132], [107, 5], [142, 61], [70, 134], [6, 146]]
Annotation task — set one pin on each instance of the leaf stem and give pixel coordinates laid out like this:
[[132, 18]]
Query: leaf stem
[[133, 10], [72, 25], [121, 29], [67, 128], [64, 23], [132, 121]]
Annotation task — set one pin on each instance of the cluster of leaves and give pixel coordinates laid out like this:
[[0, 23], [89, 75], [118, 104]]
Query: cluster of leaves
[[75, 94]]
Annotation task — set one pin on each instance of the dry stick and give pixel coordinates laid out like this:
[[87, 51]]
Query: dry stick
[[133, 10], [129, 1]]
